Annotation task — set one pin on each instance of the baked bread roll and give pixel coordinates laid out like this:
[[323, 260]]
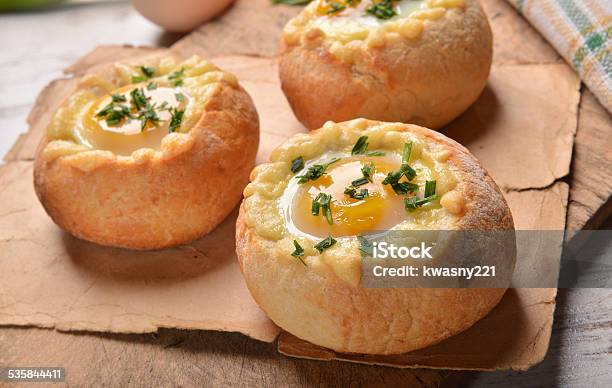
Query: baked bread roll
[[421, 62], [303, 267], [148, 155]]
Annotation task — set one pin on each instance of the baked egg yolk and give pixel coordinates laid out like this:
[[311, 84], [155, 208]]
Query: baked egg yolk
[[133, 117], [381, 209]]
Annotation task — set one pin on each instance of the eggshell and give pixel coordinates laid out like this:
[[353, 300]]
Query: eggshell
[[180, 15]]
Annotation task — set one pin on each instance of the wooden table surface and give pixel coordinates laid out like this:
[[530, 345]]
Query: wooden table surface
[[35, 48]]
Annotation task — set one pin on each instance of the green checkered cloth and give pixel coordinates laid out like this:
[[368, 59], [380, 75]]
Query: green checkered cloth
[[581, 31]]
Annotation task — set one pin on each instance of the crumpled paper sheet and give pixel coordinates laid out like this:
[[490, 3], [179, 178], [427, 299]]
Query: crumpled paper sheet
[[50, 279]]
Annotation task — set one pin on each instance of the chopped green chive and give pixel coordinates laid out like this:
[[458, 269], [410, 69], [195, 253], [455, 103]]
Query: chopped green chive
[[147, 71], [316, 205], [383, 9], [393, 178], [326, 208], [136, 79], [406, 169], [353, 193], [180, 97], [402, 188], [118, 98], [297, 164], [322, 201], [114, 114], [139, 100], [360, 182], [430, 188], [406, 153], [408, 172], [148, 116], [176, 119], [413, 203], [151, 86], [368, 171], [298, 253], [324, 244], [315, 172], [176, 78], [105, 111], [361, 148]]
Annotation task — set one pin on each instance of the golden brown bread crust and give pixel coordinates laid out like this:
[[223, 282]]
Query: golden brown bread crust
[[156, 202], [428, 81], [485, 206], [326, 311]]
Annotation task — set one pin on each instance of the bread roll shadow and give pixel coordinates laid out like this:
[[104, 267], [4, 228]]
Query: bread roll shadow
[[477, 120], [209, 253]]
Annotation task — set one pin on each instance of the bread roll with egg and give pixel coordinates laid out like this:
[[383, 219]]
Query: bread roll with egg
[[422, 62], [303, 268], [148, 155]]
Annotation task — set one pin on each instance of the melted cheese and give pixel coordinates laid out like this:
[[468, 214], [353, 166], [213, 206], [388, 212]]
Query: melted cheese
[[78, 119], [353, 24]]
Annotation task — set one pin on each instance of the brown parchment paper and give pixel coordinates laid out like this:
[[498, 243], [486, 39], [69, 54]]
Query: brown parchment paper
[[50, 279]]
